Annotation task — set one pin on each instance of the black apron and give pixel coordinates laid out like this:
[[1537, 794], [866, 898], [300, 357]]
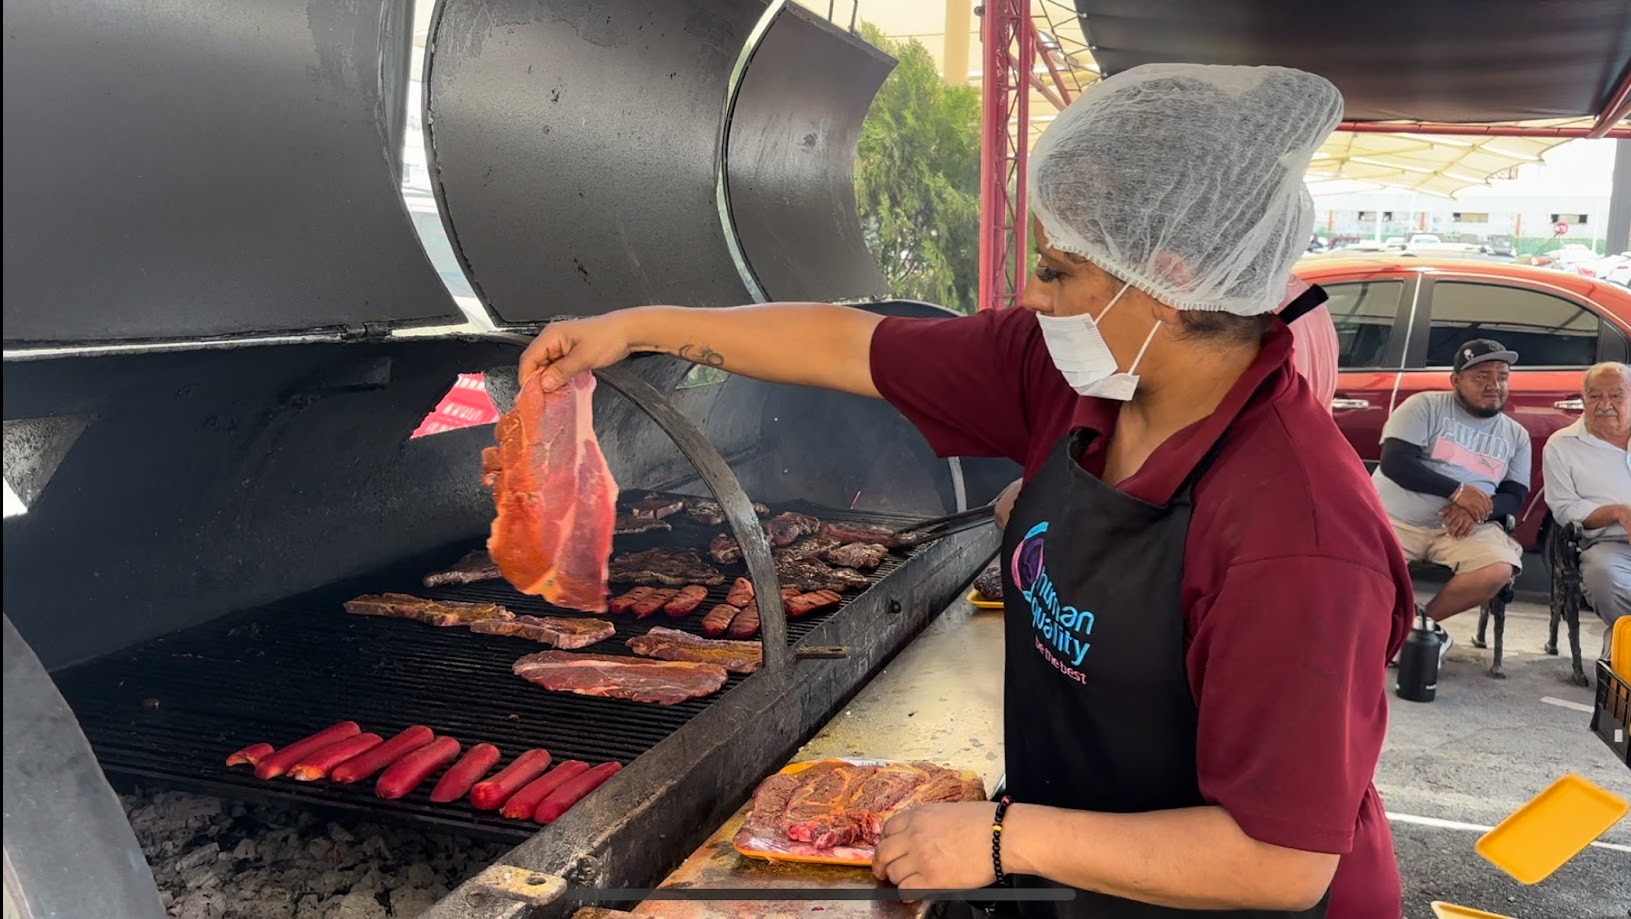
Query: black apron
[[1098, 712]]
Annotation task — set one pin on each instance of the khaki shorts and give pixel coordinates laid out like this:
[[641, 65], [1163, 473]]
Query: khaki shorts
[[1484, 546]]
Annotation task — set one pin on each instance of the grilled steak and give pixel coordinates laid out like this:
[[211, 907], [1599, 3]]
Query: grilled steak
[[709, 513], [654, 507], [989, 584], [786, 529], [724, 549], [808, 547], [672, 567], [848, 532], [807, 574], [863, 555], [637, 679], [628, 524], [434, 612], [835, 804], [686, 601], [476, 566], [674, 645], [555, 496], [805, 604], [561, 633]]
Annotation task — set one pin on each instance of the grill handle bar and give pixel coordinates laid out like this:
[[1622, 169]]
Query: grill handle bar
[[722, 484]]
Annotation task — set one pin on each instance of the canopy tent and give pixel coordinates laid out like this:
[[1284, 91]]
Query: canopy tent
[[1541, 72]]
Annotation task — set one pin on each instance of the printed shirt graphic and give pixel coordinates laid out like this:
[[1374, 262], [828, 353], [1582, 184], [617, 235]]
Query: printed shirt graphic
[[1062, 630], [1480, 452]]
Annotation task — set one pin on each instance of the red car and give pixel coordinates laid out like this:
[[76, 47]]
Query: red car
[[1399, 318]]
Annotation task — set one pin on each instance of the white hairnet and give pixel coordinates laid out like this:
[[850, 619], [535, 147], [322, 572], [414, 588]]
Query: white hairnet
[[1186, 180]]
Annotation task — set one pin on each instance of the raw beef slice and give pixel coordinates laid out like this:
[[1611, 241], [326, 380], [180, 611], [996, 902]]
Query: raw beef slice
[[674, 645], [550, 630], [834, 805], [638, 679], [555, 496]]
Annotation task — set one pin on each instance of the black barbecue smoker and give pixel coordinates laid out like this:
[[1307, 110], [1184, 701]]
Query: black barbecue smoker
[[221, 329]]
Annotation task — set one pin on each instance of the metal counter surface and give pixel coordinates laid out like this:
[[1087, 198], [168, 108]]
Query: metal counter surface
[[938, 700]]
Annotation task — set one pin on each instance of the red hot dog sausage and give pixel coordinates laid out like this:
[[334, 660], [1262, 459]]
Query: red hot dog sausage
[[571, 792], [250, 755], [317, 765], [522, 804], [285, 759], [457, 780], [365, 764], [405, 774], [491, 794]]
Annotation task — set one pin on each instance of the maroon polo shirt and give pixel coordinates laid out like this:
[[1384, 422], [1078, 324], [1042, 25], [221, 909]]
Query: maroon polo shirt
[[1295, 591]]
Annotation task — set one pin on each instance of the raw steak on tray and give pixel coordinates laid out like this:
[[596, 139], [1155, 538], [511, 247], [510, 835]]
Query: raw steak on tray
[[834, 810]]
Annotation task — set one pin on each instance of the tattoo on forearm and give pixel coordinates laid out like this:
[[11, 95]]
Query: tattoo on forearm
[[701, 354]]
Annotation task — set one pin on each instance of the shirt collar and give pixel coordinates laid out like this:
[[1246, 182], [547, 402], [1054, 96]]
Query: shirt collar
[[1171, 463], [1578, 430]]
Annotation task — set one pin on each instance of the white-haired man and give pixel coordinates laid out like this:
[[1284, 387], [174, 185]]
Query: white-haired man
[[1588, 481]]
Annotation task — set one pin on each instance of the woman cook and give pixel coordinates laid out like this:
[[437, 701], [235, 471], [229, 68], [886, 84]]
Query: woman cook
[[1202, 588]]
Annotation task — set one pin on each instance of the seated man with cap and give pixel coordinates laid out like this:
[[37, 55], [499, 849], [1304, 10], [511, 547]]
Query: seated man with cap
[[1453, 463]]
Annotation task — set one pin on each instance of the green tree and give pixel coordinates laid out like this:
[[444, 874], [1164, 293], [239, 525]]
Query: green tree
[[917, 179]]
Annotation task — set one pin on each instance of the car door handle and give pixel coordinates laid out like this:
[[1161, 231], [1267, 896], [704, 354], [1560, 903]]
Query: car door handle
[[1350, 403], [1570, 405]]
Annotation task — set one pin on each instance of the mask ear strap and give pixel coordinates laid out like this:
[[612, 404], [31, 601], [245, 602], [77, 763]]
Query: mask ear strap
[[1113, 301], [1147, 339]]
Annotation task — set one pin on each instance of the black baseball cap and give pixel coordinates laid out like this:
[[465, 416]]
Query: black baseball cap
[[1482, 351]]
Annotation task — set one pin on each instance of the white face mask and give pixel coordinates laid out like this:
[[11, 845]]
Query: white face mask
[[1080, 352]]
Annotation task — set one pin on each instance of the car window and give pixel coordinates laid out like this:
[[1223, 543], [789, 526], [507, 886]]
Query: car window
[[1364, 314], [1545, 330]]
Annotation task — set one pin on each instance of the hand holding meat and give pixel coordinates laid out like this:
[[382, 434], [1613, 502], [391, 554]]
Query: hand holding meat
[[938, 847], [569, 347]]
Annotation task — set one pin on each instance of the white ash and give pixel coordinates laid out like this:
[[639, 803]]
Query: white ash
[[220, 859]]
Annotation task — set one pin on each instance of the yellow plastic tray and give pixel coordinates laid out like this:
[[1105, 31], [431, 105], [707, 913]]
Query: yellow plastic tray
[[1539, 837], [1619, 656], [850, 856], [981, 602], [1444, 910]]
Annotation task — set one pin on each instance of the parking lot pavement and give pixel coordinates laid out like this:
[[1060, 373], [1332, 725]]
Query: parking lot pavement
[[1482, 749]]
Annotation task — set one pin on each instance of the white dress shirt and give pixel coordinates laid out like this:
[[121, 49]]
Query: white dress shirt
[[1584, 473]]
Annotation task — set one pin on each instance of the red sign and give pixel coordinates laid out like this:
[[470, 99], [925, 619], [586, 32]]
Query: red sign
[[1560, 229], [465, 405]]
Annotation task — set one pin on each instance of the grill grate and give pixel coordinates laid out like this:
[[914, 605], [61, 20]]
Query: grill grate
[[171, 709]]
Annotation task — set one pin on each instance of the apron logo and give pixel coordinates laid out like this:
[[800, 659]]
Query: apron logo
[[1059, 627]]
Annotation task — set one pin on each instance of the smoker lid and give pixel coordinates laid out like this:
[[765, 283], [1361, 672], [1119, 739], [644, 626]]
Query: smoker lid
[[234, 170]]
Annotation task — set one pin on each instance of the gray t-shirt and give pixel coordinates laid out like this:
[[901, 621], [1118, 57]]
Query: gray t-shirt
[[1479, 452]]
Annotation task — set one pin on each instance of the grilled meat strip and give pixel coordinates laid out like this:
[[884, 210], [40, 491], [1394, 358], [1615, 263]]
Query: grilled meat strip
[[686, 601], [786, 529], [849, 531], [674, 645], [741, 592], [638, 679], [807, 574], [709, 513], [808, 547], [862, 555], [805, 604], [654, 601], [550, 630], [671, 567], [655, 507], [434, 612], [719, 618], [628, 524], [476, 566], [724, 550], [745, 624]]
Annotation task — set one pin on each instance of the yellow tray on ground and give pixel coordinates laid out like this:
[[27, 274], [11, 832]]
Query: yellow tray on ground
[[848, 856], [1619, 655], [1444, 910], [980, 602], [1539, 837]]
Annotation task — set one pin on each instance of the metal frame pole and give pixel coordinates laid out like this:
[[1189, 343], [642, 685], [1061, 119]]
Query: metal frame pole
[[1009, 54]]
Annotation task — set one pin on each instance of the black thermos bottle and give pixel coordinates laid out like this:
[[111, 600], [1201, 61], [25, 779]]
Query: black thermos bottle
[[1418, 663]]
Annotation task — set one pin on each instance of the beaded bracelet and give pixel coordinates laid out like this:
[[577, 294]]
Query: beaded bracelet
[[996, 839]]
